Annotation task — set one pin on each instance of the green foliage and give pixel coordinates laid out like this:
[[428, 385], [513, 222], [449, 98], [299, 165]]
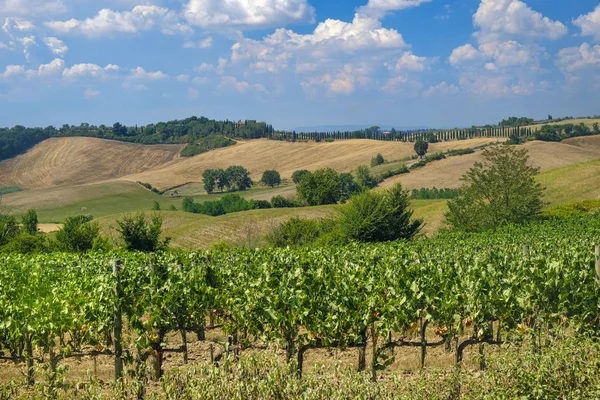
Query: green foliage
[[377, 160], [172, 208], [259, 204], [435, 157], [238, 178], [297, 175], [394, 172], [299, 232], [513, 122], [515, 138], [595, 128], [281, 202], [459, 152], [431, 137], [9, 190], [556, 133], [216, 179], [205, 144], [364, 177], [325, 186], [572, 210], [29, 221], [421, 147], [156, 206], [77, 234], [271, 178], [230, 203], [434, 194], [8, 229], [500, 191], [149, 187], [142, 234], [379, 217], [25, 243]]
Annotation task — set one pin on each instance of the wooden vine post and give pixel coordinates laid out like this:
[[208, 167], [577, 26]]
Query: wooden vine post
[[598, 264], [118, 321]]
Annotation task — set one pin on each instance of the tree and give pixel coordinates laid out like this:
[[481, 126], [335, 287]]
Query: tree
[[77, 234], [421, 147], [549, 117], [379, 216], [29, 221], [156, 206], [140, 234], [209, 177], [297, 175], [325, 186], [595, 128], [271, 178], [377, 160], [364, 177], [499, 191], [8, 229], [238, 177]]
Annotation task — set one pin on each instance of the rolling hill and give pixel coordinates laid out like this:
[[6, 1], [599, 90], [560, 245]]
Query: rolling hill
[[547, 156], [77, 160]]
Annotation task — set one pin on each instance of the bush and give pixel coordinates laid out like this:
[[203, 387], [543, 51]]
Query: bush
[[271, 178], [364, 178], [229, 203], [299, 232], [156, 206], [8, 229], [282, 202], [207, 143], [26, 243], [77, 234], [140, 234], [29, 221], [297, 175], [259, 204], [435, 193], [379, 217], [394, 172], [377, 160], [460, 152], [325, 186]]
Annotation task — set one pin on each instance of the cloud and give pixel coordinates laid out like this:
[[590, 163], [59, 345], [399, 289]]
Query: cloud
[[464, 53], [343, 81], [245, 14], [183, 78], [109, 23], [88, 70], [590, 23], [17, 24], [408, 62], [378, 8], [573, 59], [31, 7], [443, 89], [56, 46], [505, 19], [240, 86], [27, 43], [206, 43], [140, 74], [12, 71], [90, 93]]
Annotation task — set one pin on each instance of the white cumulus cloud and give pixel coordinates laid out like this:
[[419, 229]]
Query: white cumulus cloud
[[574, 59], [90, 93], [56, 46], [109, 23], [88, 70], [246, 13], [590, 23], [140, 74], [504, 19], [442, 89]]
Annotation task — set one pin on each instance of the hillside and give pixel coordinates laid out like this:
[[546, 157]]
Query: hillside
[[260, 155], [76, 161], [545, 155]]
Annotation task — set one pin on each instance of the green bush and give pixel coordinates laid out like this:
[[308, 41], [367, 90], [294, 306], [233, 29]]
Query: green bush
[[435, 193], [208, 143], [299, 232], [297, 175], [8, 229], [26, 243], [364, 178], [377, 160], [282, 202], [140, 234], [29, 221], [271, 178], [77, 234], [394, 172], [379, 217]]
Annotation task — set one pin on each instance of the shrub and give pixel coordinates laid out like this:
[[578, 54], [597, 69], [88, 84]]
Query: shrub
[[156, 206], [29, 221], [259, 204], [77, 234], [394, 172], [26, 243], [377, 160], [297, 175], [379, 217], [435, 193], [299, 232], [141, 234], [364, 177], [325, 186], [282, 202], [271, 178]]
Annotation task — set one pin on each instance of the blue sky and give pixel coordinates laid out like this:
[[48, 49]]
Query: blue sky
[[437, 63]]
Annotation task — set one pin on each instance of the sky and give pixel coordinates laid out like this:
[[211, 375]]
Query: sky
[[435, 63]]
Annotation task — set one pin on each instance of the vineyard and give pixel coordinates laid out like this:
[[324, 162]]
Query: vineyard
[[455, 291]]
